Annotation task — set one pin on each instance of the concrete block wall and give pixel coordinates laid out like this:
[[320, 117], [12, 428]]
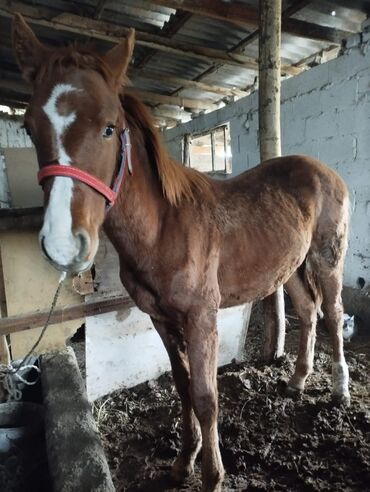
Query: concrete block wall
[[325, 113]]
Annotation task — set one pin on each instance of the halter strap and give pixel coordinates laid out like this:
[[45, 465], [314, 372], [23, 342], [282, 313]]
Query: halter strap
[[109, 193]]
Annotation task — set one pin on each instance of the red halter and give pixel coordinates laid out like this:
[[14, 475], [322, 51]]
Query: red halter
[[109, 193]]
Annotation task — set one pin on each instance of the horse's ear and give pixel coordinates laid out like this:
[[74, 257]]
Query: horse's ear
[[118, 58], [28, 50]]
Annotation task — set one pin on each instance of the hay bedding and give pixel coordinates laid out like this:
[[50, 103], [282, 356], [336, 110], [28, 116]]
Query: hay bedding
[[268, 442]]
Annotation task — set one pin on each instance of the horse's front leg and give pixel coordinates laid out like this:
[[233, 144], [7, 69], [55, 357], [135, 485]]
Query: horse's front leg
[[191, 437], [201, 336]]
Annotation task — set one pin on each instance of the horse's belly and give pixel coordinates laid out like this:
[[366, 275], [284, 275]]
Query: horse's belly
[[249, 277]]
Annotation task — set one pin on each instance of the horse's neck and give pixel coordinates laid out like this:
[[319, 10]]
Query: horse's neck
[[133, 223]]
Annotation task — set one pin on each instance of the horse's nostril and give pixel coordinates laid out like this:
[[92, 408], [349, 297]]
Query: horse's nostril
[[43, 248], [84, 245]]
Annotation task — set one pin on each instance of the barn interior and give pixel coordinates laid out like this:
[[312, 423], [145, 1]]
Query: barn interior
[[196, 67]]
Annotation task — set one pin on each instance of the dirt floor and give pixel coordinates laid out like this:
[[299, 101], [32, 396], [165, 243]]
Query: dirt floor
[[268, 442]]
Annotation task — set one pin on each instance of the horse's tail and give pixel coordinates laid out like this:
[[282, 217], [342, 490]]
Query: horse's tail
[[312, 283]]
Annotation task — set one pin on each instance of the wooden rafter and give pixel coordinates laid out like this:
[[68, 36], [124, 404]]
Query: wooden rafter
[[23, 322], [170, 28], [294, 7], [11, 70], [172, 113], [21, 89], [113, 33], [190, 84], [243, 15], [182, 102]]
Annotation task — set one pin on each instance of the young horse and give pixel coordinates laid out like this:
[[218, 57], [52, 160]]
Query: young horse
[[187, 244]]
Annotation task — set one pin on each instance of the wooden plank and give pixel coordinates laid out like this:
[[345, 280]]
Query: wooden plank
[[20, 218], [182, 102], [172, 113], [191, 84], [30, 283], [15, 324], [308, 30]]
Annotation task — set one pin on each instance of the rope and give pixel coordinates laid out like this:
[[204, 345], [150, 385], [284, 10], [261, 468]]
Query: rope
[[9, 376]]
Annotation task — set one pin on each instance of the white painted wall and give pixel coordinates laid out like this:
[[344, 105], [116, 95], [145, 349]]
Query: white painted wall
[[123, 349], [326, 114], [12, 135]]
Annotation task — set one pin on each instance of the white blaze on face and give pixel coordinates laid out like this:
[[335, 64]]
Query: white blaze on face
[[59, 241]]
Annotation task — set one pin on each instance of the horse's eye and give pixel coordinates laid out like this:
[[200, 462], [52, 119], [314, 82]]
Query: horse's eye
[[108, 131]]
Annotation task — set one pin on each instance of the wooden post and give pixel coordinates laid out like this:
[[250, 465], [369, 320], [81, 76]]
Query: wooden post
[[270, 146]]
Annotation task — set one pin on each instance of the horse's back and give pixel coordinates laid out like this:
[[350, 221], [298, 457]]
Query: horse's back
[[269, 218], [290, 173]]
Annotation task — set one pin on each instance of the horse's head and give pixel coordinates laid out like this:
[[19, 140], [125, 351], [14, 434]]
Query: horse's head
[[74, 119]]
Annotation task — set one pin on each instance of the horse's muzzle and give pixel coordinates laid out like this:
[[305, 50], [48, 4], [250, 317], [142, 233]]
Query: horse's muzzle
[[71, 258]]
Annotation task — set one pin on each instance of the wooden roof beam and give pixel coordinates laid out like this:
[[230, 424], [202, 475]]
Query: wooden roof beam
[[21, 88], [10, 69], [182, 102], [189, 84], [292, 9], [113, 33], [247, 16], [172, 113]]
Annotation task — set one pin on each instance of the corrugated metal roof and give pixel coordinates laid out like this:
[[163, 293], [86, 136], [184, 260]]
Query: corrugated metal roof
[[188, 29], [212, 33]]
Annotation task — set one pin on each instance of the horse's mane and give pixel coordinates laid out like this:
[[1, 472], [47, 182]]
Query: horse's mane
[[178, 182], [74, 55]]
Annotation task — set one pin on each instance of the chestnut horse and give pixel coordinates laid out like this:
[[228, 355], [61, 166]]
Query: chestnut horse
[[188, 245]]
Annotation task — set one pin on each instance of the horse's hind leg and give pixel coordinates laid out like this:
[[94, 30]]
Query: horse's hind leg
[[306, 310], [191, 437], [330, 264], [331, 285]]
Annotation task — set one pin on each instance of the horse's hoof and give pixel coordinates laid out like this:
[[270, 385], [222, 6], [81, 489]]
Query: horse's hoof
[[339, 400], [292, 391], [180, 472], [212, 488]]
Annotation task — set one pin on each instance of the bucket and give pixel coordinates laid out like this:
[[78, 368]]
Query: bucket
[[19, 420]]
